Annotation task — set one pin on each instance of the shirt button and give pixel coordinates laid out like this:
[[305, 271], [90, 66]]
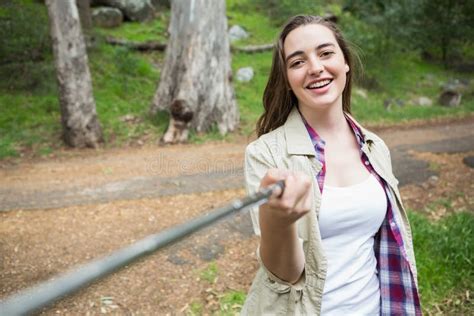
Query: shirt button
[[367, 162], [393, 224]]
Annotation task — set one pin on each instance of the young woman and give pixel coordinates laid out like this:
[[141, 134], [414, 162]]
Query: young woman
[[337, 241]]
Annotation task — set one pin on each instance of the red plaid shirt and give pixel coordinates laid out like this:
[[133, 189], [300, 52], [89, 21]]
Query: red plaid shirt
[[398, 290]]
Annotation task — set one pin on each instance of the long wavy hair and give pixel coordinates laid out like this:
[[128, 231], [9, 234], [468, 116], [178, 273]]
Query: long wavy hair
[[278, 98]]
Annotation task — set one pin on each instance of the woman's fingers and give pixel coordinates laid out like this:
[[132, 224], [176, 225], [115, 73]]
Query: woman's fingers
[[296, 198]]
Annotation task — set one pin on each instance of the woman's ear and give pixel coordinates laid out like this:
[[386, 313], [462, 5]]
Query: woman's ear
[[347, 68]]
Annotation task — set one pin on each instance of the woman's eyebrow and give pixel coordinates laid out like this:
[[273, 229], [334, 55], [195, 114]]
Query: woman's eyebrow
[[300, 52]]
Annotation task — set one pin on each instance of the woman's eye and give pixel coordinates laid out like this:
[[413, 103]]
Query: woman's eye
[[326, 53], [296, 63]]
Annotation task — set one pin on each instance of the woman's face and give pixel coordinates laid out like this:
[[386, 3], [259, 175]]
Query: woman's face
[[315, 67]]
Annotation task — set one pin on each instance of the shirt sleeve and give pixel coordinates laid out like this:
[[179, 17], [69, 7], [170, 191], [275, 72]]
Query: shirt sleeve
[[257, 161]]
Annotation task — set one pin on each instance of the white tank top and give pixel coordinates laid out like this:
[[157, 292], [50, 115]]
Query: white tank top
[[349, 218]]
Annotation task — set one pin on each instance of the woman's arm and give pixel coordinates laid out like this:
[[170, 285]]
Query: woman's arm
[[280, 249]]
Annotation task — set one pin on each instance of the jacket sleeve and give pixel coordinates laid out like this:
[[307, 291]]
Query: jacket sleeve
[[258, 160]]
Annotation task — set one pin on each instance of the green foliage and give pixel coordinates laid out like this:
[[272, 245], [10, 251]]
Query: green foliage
[[154, 30], [445, 255], [260, 28], [28, 121], [195, 308], [209, 274], [124, 81], [23, 32], [280, 10], [446, 25], [7, 147], [231, 302], [439, 28], [249, 94], [25, 47], [124, 84]]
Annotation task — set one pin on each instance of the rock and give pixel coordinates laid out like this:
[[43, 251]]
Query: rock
[[133, 10], [429, 77], [361, 92], [430, 183], [236, 33], [423, 101], [210, 251], [390, 102], [244, 74], [453, 90], [177, 260], [450, 98], [456, 85], [106, 17], [469, 161]]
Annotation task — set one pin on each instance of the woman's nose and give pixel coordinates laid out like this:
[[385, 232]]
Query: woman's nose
[[315, 66]]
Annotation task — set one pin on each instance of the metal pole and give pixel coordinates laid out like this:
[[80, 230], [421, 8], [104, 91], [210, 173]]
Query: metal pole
[[50, 291]]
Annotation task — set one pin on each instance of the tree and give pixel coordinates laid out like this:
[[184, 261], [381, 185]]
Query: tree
[[446, 25], [195, 84], [81, 127], [84, 8], [437, 27]]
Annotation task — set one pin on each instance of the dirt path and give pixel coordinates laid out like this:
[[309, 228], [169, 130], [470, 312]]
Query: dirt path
[[108, 175], [91, 203]]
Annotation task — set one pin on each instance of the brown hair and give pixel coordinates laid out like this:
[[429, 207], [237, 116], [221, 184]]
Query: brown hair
[[278, 99]]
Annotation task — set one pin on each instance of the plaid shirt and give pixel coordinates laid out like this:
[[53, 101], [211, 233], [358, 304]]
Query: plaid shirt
[[398, 290]]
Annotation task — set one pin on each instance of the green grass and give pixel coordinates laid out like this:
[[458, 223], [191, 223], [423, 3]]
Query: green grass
[[444, 253], [405, 77], [155, 30], [209, 274], [230, 303], [124, 83], [259, 27], [445, 256], [249, 94], [195, 308]]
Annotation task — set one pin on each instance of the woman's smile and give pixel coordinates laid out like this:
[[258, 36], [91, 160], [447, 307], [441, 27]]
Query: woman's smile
[[319, 86], [316, 68]]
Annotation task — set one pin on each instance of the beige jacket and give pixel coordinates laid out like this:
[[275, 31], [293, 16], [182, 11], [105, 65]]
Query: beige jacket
[[290, 147]]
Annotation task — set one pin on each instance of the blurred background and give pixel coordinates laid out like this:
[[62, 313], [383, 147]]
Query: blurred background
[[61, 206], [411, 51]]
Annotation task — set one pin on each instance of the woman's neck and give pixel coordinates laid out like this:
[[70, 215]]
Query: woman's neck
[[328, 123]]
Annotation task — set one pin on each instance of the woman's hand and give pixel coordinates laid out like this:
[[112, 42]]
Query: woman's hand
[[295, 201], [280, 249]]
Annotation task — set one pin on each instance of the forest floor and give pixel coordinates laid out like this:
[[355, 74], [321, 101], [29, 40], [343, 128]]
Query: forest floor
[[61, 211]]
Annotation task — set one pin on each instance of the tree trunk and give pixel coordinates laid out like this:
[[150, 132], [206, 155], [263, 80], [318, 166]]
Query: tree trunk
[[196, 79], [84, 8], [81, 127]]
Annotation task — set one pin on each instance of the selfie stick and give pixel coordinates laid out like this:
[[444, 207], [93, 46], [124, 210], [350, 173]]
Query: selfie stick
[[32, 299]]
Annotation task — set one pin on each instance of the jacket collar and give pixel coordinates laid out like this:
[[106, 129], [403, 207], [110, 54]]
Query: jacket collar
[[298, 140], [365, 134]]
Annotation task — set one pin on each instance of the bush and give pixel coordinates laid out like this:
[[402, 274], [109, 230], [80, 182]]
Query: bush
[[25, 47], [438, 28], [24, 32]]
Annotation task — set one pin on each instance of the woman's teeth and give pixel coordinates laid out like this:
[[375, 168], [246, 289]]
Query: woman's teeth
[[319, 84]]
